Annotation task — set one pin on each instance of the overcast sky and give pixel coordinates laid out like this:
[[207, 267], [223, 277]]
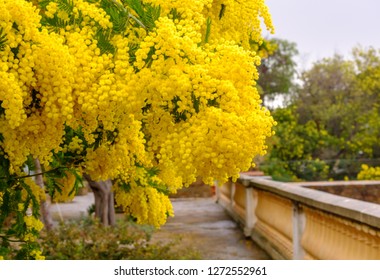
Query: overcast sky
[[321, 28]]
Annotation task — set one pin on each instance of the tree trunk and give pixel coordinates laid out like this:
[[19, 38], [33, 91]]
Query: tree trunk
[[104, 200], [44, 207]]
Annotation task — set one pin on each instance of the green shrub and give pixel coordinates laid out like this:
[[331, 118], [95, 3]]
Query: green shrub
[[298, 170], [87, 239], [278, 170]]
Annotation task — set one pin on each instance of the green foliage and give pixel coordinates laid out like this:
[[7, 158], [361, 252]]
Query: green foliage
[[56, 23], [278, 71], [278, 170], [3, 38], [149, 180], [12, 223], [301, 170], [88, 240], [147, 13], [104, 44], [21, 251], [294, 141], [118, 15], [334, 96], [66, 5], [333, 123], [208, 30], [18, 201]]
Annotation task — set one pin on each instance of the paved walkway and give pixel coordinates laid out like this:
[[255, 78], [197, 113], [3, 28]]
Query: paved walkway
[[205, 225], [199, 222], [72, 210]]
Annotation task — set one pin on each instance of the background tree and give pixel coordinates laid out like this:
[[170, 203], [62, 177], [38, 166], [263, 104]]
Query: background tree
[[278, 70], [335, 96], [333, 123], [150, 94], [367, 65], [294, 150]]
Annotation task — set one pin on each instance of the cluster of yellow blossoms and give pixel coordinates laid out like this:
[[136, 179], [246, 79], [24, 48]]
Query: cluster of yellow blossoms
[[369, 173], [36, 190], [239, 21], [32, 223], [142, 200], [37, 73], [179, 96], [211, 87]]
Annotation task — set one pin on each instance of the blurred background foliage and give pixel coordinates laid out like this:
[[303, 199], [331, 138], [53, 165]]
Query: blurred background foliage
[[328, 123]]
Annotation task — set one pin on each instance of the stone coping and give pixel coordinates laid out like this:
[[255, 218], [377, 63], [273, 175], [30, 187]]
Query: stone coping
[[353, 209], [361, 190], [336, 183]]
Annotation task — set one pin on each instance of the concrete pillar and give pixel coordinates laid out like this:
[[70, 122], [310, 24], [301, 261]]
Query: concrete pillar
[[217, 191], [232, 197], [298, 228], [250, 218]]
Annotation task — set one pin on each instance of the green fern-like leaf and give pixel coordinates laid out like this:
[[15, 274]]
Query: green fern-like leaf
[[208, 30], [125, 186], [154, 171], [66, 5], [52, 186], [151, 15], [135, 5], [104, 41], [30, 198], [78, 180], [118, 15], [77, 21], [147, 14], [120, 23], [213, 103], [196, 102], [15, 26], [175, 14], [30, 163], [132, 52], [3, 39], [5, 207], [55, 23], [2, 111], [44, 3]]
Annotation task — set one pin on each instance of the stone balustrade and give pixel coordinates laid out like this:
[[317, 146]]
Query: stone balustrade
[[292, 221]]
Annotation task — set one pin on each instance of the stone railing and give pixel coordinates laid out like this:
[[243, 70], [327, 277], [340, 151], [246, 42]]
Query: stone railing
[[291, 221]]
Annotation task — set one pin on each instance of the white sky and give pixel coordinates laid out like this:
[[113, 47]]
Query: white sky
[[321, 28]]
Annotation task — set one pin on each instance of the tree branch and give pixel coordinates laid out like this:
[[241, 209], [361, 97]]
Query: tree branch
[[36, 174]]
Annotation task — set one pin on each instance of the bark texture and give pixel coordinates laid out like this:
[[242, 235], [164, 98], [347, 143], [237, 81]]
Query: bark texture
[[104, 200], [44, 207]]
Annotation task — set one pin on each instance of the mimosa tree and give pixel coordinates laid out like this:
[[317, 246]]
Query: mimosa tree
[[150, 94]]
